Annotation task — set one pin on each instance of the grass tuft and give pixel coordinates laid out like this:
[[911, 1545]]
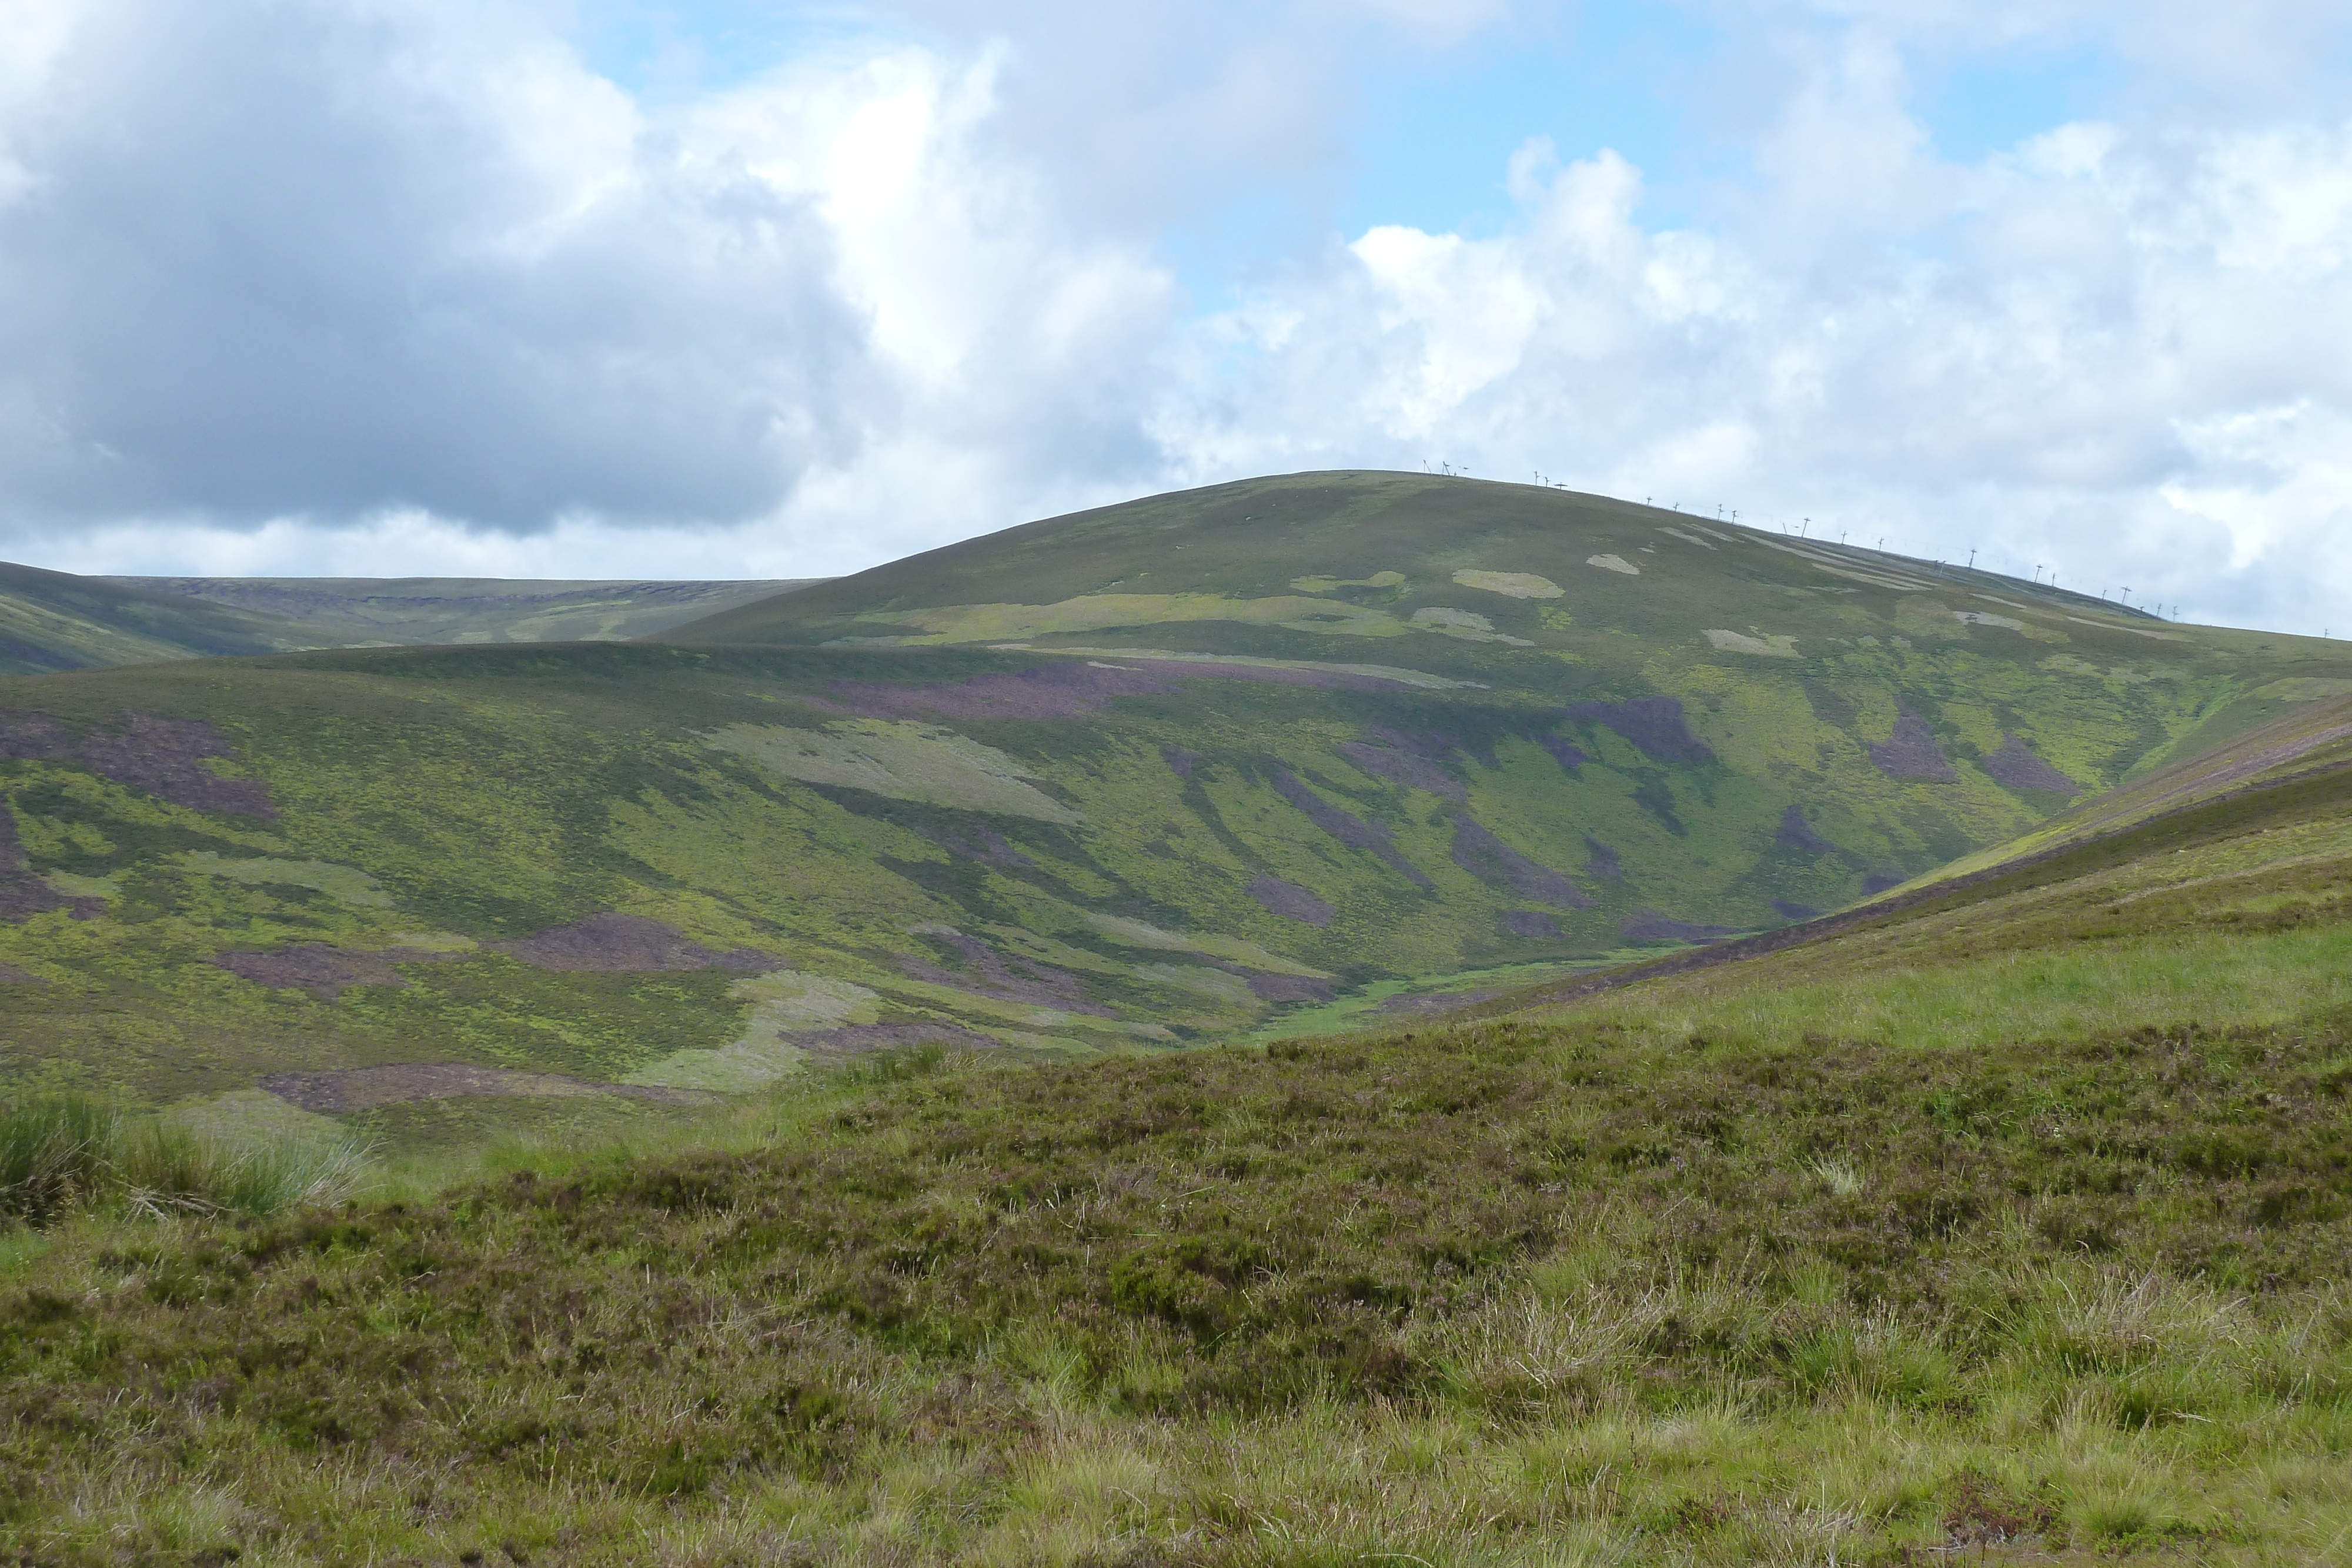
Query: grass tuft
[[64, 1154]]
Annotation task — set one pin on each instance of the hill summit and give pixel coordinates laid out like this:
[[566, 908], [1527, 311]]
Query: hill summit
[[1258, 757]]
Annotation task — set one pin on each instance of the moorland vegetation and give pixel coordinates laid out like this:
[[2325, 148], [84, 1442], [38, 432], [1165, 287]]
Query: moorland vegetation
[[2005, 1223], [1291, 754], [766, 1042]]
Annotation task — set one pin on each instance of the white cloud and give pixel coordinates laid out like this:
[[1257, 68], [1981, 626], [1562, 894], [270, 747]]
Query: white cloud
[[356, 285]]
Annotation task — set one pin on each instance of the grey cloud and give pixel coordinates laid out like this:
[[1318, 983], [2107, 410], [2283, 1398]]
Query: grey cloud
[[286, 257]]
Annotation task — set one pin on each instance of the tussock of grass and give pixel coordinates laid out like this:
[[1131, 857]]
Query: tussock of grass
[[63, 1155]]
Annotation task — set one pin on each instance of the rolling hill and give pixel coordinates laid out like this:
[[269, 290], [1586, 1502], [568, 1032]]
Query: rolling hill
[[336, 612], [1250, 759], [2002, 1221], [53, 621]]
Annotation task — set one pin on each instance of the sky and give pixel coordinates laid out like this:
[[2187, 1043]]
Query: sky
[[623, 288]]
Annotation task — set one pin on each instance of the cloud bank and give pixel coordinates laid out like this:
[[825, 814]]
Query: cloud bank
[[294, 285]]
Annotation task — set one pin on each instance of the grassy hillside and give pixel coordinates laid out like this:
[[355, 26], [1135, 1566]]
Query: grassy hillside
[[423, 892], [2005, 1225], [54, 621], [336, 612]]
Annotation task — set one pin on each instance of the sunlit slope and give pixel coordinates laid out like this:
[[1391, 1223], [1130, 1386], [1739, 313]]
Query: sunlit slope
[[1515, 732], [2232, 910], [332, 612], [54, 621], [2299, 726]]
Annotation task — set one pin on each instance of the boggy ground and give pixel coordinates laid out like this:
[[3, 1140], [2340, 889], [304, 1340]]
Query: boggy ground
[[1508, 1292]]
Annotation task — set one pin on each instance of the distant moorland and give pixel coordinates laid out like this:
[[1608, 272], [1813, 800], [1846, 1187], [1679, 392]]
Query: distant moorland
[[1456, 1023]]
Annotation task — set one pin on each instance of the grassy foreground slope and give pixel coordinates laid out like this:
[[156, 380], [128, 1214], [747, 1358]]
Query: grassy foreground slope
[[2009, 1228], [1505, 732]]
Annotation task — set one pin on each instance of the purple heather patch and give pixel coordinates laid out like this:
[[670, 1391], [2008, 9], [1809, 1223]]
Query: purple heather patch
[[2014, 767], [1482, 855], [986, 970], [1879, 882], [1529, 923], [1603, 863], [1403, 767], [1289, 989], [1287, 898], [1787, 911], [857, 1039], [613, 944], [1796, 834], [12, 976], [1437, 745], [1067, 688], [1345, 826], [1911, 752], [24, 895], [1180, 762], [1436, 1002], [1565, 752], [983, 844], [1648, 925], [1059, 690], [1655, 725], [365, 1088], [324, 971], [163, 757]]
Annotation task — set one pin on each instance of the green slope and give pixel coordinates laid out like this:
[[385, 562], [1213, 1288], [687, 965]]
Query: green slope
[[1404, 740], [2008, 1226], [54, 621], [334, 612]]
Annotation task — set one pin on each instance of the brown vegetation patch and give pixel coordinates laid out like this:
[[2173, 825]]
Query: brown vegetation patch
[[985, 969], [2014, 767], [365, 1088], [1345, 826], [22, 893], [1605, 863], [1655, 727], [1437, 1002], [1648, 925], [322, 970], [1403, 767], [1796, 834], [1287, 898], [1180, 762], [1567, 753], [610, 943], [1530, 922], [163, 757], [1911, 752], [985, 845], [1437, 745], [1488, 858], [1789, 910], [1289, 989], [1059, 690], [860, 1038], [12, 976]]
